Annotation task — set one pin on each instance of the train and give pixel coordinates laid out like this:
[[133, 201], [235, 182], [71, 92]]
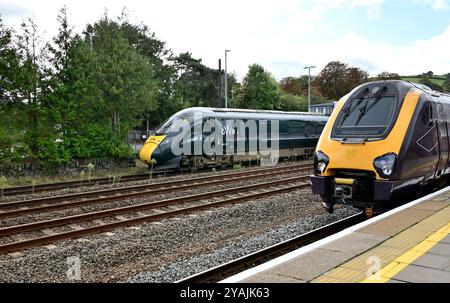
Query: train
[[286, 134], [386, 143]]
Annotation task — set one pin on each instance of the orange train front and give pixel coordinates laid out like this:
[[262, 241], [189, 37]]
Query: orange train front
[[384, 144]]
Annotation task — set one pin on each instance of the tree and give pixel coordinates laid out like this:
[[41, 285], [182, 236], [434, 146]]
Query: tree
[[9, 63], [337, 79], [154, 50], [429, 74], [32, 86], [258, 90], [12, 122], [124, 80], [70, 102], [295, 86], [196, 84], [388, 76]]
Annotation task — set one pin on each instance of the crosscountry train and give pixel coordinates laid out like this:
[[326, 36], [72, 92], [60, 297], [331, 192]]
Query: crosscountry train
[[298, 136], [385, 142]]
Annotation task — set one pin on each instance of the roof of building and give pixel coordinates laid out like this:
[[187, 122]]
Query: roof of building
[[333, 103]]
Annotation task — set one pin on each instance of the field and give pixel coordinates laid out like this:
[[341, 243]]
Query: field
[[439, 80]]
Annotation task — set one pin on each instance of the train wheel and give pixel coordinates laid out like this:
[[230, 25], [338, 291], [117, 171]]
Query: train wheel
[[196, 164]]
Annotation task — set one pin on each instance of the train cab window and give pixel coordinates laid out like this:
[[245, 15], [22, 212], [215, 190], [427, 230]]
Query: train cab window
[[367, 117], [171, 126], [427, 115]]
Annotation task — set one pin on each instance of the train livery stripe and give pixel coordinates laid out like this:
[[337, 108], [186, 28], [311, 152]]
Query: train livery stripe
[[361, 156], [149, 147]]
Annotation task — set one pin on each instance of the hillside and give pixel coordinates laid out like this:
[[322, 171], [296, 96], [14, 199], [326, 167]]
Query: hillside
[[439, 80]]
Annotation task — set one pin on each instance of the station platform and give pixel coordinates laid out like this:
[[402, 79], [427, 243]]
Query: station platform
[[410, 244]]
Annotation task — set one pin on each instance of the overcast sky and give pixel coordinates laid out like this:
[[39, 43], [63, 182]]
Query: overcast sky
[[403, 36]]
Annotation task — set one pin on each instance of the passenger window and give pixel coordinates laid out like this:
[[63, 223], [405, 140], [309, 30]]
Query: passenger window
[[319, 129], [310, 129], [296, 127]]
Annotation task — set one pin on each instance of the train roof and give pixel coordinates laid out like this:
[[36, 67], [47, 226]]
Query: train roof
[[405, 86], [246, 113]]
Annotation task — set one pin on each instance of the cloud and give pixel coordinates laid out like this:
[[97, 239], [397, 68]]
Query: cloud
[[375, 57], [281, 35], [374, 12], [348, 3], [13, 10], [437, 5]]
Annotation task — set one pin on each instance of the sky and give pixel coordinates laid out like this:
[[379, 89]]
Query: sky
[[404, 36]]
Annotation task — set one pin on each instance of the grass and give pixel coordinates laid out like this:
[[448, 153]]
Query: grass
[[18, 181], [439, 80]]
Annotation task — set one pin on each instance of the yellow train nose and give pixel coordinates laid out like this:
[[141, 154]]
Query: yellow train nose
[[145, 154]]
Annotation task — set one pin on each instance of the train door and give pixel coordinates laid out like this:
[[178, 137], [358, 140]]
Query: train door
[[442, 139]]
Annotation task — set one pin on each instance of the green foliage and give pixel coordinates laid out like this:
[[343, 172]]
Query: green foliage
[[196, 84], [416, 79], [3, 182], [258, 90], [295, 86], [430, 84], [290, 102], [446, 86], [388, 76], [73, 98]]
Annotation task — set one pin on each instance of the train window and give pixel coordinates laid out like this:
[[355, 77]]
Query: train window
[[171, 126], [310, 129], [367, 117], [427, 115], [296, 127], [319, 128]]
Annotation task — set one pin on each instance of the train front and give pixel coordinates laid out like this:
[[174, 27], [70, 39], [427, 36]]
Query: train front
[[357, 154], [156, 151]]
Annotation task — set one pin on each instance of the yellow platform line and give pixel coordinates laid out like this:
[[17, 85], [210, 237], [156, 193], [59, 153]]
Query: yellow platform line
[[396, 266]]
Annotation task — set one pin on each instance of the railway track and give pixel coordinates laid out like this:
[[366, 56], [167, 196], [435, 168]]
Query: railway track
[[38, 233], [16, 208], [231, 268]]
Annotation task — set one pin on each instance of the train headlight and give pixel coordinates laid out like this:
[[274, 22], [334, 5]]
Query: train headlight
[[320, 162], [385, 165]]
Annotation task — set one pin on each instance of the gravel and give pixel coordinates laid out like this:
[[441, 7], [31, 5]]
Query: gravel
[[187, 267], [174, 248]]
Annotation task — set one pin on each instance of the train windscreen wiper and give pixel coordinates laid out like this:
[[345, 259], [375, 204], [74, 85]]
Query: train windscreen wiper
[[364, 110], [350, 109]]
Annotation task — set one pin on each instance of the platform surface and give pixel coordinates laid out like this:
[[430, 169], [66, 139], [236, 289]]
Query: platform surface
[[409, 244]]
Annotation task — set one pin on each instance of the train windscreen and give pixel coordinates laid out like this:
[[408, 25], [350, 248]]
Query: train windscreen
[[169, 126], [366, 117]]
